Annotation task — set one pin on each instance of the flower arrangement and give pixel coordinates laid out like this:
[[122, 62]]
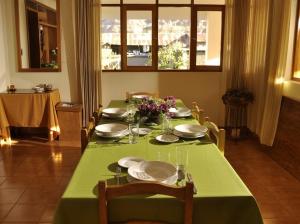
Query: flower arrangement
[[150, 110], [237, 97]]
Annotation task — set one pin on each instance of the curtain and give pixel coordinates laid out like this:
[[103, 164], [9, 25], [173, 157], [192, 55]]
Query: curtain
[[88, 54], [257, 41]]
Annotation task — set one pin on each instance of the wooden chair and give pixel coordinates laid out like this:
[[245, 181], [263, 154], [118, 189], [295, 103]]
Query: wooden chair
[[86, 133], [98, 114], [130, 94], [198, 113], [217, 134], [106, 193]]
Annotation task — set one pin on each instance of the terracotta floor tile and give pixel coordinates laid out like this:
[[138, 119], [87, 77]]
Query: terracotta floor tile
[[17, 182], [48, 213], [280, 221], [34, 196], [4, 210], [10, 195], [25, 213]]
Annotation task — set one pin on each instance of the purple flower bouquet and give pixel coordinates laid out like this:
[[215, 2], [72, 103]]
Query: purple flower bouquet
[[150, 110]]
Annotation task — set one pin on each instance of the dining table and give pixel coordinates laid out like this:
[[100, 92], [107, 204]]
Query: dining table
[[221, 197]]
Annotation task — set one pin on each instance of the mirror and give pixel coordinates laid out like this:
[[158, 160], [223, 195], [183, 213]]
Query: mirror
[[38, 35]]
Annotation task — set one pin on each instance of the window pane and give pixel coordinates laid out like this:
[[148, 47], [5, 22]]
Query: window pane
[[139, 38], [110, 38], [110, 1], [209, 28], [139, 1], [210, 2], [174, 38], [174, 2]]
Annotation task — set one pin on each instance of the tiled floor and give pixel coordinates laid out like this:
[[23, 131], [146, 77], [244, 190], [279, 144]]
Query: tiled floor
[[34, 174]]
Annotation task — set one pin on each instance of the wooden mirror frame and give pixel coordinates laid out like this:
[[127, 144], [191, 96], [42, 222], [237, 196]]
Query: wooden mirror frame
[[296, 42], [20, 69]]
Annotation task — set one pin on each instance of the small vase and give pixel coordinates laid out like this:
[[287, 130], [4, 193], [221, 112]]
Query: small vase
[[151, 121]]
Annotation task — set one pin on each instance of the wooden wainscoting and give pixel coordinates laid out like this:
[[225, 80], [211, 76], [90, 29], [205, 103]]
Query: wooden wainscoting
[[286, 148]]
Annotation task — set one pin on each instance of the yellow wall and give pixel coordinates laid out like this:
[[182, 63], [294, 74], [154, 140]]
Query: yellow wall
[[4, 51], [65, 81], [204, 87]]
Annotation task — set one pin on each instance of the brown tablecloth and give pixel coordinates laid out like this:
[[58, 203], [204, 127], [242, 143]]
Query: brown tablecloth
[[28, 109]]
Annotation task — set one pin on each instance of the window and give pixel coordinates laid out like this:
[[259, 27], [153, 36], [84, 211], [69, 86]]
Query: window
[[296, 67], [138, 38], [208, 37], [174, 38], [141, 35], [110, 38]]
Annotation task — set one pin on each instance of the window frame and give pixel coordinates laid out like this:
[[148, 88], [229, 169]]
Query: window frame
[[296, 40], [196, 9], [124, 10], [193, 36]]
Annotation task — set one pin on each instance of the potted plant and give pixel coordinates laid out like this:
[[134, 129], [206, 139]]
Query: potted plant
[[237, 97]]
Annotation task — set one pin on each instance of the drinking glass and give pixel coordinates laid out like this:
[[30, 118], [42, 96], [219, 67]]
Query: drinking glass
[[181, 160], [166, 125], [130, 112], [133, 133]]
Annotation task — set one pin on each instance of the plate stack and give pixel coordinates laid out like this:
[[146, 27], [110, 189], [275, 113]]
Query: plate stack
[[112, 130], [181, 112], [114, 112], [190, 131], [156, 171]]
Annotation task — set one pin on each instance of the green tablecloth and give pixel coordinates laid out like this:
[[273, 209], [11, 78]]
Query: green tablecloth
[[222, 196]]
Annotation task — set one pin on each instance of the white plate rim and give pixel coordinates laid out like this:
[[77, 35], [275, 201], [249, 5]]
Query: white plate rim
[[205, 129], [136, 168], [160, 140], [124, 159], [111, 124], [179, 134]]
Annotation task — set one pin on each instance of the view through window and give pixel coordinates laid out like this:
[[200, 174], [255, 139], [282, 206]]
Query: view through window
[[178, 37]]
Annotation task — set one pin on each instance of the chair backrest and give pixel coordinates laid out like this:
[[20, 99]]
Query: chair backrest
[[129, 95], [198, 113], [218, 133], [106, 193], [86, 133], [98, 114]]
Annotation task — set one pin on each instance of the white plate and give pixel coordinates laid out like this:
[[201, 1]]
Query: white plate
[[139, 97], [142, 131], [181, 111], [114, 112], [170, 181], [119, 135], [158, 170], [179, 134], [167, 138], [191, 129], [111, 128], [129, 161], [153, 171]]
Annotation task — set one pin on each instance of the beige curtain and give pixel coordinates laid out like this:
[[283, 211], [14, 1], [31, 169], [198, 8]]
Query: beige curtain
[[88, 54], [257, 40]]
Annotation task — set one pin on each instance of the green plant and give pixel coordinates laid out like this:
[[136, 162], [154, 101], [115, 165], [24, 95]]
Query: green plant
[[171, 56]]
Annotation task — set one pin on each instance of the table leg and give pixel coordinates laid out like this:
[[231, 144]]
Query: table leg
[[50, 135]]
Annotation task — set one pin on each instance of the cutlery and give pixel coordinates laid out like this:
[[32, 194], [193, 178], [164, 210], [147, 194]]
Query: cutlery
[[190, 179]]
